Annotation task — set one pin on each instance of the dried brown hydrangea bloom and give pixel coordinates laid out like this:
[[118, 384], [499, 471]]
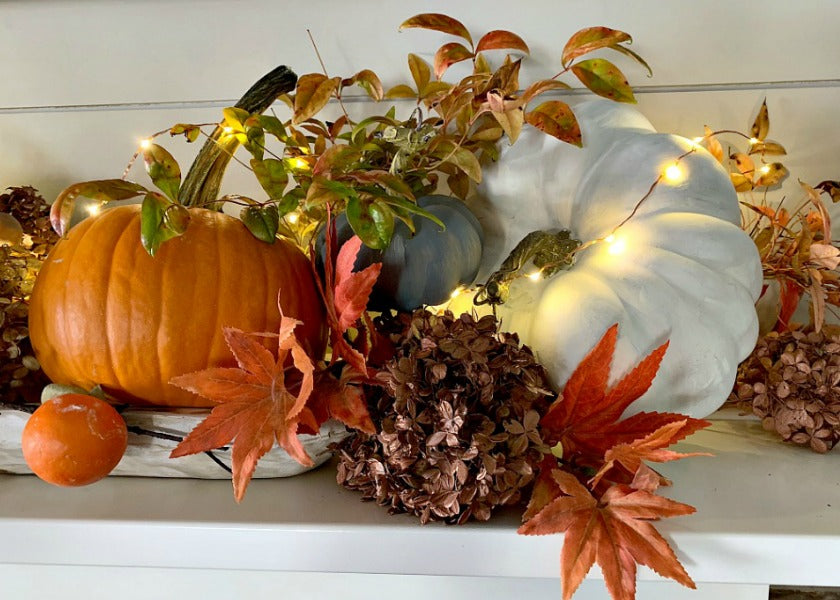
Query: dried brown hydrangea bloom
[[21, 379], [457, 413], [792, 382]]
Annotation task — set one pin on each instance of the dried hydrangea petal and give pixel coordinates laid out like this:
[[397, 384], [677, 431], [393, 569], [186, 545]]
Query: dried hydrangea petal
[[457, 410]]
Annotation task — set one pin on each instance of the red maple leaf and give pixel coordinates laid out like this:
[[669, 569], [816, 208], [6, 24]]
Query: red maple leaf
[[586, 418], [615, 531], [341, 398], [345, 295], [256, 405]]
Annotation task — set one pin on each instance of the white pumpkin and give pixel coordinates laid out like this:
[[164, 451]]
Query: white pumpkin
[[681, 269]]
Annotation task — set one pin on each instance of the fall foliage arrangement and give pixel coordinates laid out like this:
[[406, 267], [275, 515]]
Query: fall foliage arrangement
[[791, 379], [451, 415]]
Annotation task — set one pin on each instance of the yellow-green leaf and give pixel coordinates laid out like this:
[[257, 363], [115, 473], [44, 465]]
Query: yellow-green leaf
[[506, 78], [438, 22], [628, 52], [459, 184], [372, 221], [191, 132], [434, 89], [312, 94], [481, 64], [272, 176], [591, 39], [104, 190], [771, 174], [761, 125], [369, 82], [713, 145], [261, 221], [511, 122], [401, 91], [771, 148], [605, 79], [460, 157], [273, 126], [163, 170], [154, 229], [764, 240], [743, 163], [420, 71], [741, 182], [557, 120], [487, 132]]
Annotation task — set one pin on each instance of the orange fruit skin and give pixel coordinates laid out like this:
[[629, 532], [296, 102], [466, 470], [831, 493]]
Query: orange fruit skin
[[74, 440]]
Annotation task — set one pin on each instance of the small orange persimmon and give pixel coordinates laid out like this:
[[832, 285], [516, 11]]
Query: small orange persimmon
[[74, 440]]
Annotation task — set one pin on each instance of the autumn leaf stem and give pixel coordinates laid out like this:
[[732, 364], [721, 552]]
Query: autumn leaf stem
[[731, 131]]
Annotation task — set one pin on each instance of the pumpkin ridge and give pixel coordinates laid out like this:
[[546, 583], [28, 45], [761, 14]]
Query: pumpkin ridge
[[126, 232], [220, 257], [61, 324], [88, 278]]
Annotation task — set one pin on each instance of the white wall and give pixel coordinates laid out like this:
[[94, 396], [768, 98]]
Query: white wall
[[82, 81]]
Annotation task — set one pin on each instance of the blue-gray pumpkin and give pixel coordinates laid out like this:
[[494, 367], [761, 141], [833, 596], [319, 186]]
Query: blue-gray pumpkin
[[425, 267]]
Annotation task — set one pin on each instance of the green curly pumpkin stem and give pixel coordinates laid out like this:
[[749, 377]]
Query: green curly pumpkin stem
[[548, 251], [202, 183]]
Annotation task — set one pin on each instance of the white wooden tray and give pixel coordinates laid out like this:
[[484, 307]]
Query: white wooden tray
[[154, 433]]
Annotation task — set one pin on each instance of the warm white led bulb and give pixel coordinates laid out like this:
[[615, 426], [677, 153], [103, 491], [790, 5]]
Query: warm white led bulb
[[535, 276], [292, 217], [673, 173], [455, 293], [145, 144], [616, 245]]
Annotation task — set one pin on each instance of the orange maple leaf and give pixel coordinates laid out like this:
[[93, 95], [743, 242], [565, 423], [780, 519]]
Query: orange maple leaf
[[652, 447], [615, 532], [256, 407], [586, 418]]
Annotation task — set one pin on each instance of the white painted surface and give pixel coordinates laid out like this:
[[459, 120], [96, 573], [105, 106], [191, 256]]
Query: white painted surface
[[105, 583], [766, 514], [115, 51]]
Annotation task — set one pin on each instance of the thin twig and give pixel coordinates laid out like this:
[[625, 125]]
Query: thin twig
[[326, 74]]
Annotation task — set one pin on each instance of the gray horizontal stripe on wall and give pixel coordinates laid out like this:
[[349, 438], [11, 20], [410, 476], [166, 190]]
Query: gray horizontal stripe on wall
[[641, 89]]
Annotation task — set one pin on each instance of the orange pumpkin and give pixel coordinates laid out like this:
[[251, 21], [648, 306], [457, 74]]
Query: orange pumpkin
[[105, 312]]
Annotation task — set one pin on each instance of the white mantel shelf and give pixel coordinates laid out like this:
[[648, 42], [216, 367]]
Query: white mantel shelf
[[767, 513]]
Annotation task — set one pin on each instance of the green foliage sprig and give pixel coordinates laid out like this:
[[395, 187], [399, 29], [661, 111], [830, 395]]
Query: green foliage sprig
[[374, 169]]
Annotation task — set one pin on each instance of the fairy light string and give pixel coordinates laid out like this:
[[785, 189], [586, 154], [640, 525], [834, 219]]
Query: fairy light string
[[673, 174]]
